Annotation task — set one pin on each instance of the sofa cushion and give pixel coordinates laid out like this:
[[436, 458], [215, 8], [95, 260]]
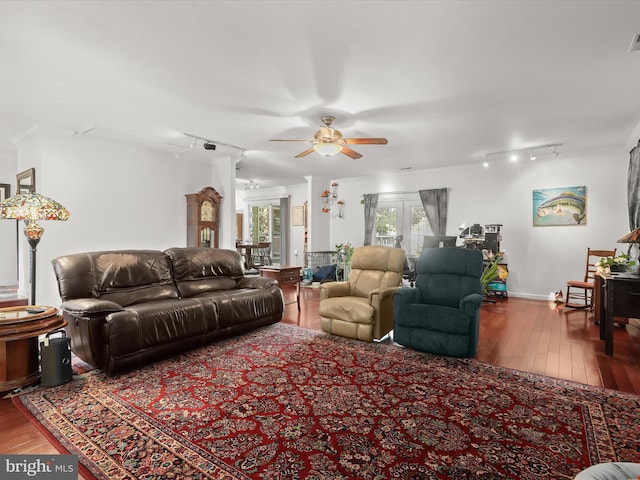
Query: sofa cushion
[[433, 317], [147, 325], [356, 309], [202, 270], [375, 266], [446, 275], [125, 277], [243, 305]]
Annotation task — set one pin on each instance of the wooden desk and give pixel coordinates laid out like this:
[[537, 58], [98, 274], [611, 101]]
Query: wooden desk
[[285, 275], [621, 294], [19, 331], [597, 294]]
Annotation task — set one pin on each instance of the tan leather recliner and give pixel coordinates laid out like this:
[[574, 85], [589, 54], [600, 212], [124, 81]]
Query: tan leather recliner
[[362, 307]]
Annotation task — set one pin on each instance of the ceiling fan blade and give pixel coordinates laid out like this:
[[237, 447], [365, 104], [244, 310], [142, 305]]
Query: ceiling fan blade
[[365, 141], [280, 140], [305, 153], [350, 153]]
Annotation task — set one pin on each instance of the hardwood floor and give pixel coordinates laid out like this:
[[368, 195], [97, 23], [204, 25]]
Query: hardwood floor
[[534, 336]]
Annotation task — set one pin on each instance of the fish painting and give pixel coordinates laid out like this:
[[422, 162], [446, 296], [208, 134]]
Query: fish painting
[[560, 206]]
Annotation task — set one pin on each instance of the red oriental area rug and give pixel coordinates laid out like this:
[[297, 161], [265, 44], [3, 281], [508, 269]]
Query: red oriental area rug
[[284, 402]]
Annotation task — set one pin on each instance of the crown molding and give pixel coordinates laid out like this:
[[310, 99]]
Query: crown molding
[[36, 130]]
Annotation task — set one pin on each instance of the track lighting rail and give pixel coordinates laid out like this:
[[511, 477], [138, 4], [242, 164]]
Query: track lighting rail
[[530, 150], [210, 144]]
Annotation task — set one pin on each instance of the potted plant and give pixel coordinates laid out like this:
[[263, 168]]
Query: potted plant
[[619, 263], [344, 252], [490, 272]]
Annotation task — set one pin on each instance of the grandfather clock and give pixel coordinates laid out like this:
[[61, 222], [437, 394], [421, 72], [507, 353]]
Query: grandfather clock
[[202, 218]]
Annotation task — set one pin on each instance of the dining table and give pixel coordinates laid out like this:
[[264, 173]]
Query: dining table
[[247, 249]]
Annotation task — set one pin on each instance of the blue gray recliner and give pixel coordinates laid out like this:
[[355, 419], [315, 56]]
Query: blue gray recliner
[[441, 314]]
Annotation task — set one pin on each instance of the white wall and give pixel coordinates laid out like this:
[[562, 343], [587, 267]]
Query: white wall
[[125, 196], [8, 243], [298, 195], [119, 196], [541, 259], [224, 171]]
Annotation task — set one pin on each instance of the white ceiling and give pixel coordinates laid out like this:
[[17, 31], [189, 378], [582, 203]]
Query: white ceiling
[[446, 82]]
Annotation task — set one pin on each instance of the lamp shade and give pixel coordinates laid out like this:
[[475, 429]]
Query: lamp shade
[[631, 237], [32, 206], [328, 149]]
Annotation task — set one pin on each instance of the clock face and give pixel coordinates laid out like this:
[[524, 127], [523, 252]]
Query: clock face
[[206, 211]]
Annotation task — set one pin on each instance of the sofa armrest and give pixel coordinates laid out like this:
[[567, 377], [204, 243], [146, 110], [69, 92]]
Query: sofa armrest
[[256, 282], [90, 307], [86, 318], [334, 289], [471, 303], [381, 294], [382, 298], [406, 295]]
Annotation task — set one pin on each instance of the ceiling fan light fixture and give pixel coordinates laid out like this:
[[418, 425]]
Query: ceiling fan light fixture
[[328, 149], [328, 141]]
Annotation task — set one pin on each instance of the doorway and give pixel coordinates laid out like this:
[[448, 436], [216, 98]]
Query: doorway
[[265, 226]]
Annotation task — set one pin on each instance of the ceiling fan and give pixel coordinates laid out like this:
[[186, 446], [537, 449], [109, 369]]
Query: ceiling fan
[[328, 141]]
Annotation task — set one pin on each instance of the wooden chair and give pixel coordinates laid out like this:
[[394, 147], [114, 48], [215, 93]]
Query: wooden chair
[[243, 253], [261, 255], [580, 293]]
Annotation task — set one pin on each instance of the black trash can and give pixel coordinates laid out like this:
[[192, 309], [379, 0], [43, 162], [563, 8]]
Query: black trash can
[[55, 360]]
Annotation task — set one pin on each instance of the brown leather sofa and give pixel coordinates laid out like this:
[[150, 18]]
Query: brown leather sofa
[[127, 308]]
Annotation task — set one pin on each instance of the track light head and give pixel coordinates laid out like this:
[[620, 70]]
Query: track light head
[[209, 146], [513, 153]]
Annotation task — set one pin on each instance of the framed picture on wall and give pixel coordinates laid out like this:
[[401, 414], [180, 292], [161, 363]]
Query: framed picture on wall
[[297, 216], [5, 191], [560, 206], [26, 181]]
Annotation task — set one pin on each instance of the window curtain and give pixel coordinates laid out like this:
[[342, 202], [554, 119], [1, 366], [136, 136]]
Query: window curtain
[[633, 188], [284, 231], [370, 205], [435, 203], [633, 195]]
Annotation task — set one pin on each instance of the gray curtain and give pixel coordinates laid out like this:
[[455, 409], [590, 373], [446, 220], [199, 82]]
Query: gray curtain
[[284, 231], [633, 193], [435, 203], [370, 205], [633, 188]]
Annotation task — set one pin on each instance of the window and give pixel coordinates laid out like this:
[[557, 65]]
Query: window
[[387, 225], [265, 227], [404, 217]]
